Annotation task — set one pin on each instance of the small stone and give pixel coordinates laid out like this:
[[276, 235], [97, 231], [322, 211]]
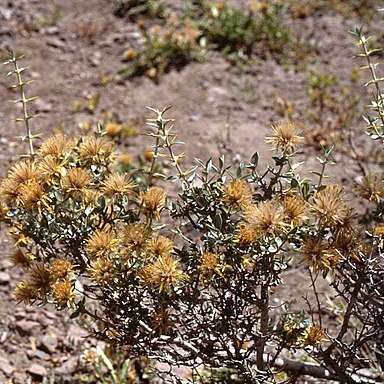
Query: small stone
[[5, 14], [51, 30], [26, 327], [37, 370], [6, 367], [56, 42], [66, 369], [95, 59], [42, 106], [3, 337], [47, 344], [4, 278], [41, 355]]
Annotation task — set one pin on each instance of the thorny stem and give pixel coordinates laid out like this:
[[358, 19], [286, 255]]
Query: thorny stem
[[313, 283], [375, 80], [23, 100]]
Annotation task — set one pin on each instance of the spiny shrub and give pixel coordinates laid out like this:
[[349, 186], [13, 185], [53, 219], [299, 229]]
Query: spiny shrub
[[191, 281]]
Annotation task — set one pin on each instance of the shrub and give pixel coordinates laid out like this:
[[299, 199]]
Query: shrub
[[191, 281]]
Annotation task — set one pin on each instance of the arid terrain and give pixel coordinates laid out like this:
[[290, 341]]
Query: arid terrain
[[73, 50]]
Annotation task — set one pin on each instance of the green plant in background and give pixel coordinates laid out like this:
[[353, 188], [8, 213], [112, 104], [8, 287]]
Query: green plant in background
[[191, 281], [171, 47], [134, 8], [204, 25]]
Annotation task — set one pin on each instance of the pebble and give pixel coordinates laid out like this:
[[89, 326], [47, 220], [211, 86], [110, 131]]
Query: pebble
[[56, 42], [37, 370], [95, 59], [26, 327], [42, 106], [47, 344], [5, 14], [65, 371], [5, 278], [6, 366]]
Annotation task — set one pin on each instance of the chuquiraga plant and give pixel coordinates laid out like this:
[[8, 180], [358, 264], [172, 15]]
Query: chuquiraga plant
[[198, 291]]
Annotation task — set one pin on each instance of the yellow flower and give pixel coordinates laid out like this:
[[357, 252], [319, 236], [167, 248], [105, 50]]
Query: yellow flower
[[38, 279], [129, 54], [294, 210], [312, 336], [55, 146], [101, 243], [237, 193], [32, 195], [209, 263], [329, 207], [113, 129], [60, 269], [265, 217], [163, 274], [246, 234], [20, 174], [319, 256], [51, 168], [21, 259], [117, 185], [372, 187], [96, 151], [135, 237], [102, 270], [285, 137], [152, 201], [77, 180], [160, 246], [24, 293], [63, 291]]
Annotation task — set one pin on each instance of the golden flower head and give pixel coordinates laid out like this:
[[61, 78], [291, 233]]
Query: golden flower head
[[266, 217], [38, 278], [329, 205], [209, 264], [63, 291], [56, 146], [160, 246], [3, 211], [348, 244], [129, 54], [77, 180], [163, 274], [32, 195], [24, 293], [117, 184], [96, 150], [20, 174], [245, 234], [51, 168], [102, 270], [60, 268], [372, 187], [237, 193], [113, 129], [285, 137], [294, 210], [21, 259], [102, 243], [312, 336], [152, 201], [135, 237], [319, 255]]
